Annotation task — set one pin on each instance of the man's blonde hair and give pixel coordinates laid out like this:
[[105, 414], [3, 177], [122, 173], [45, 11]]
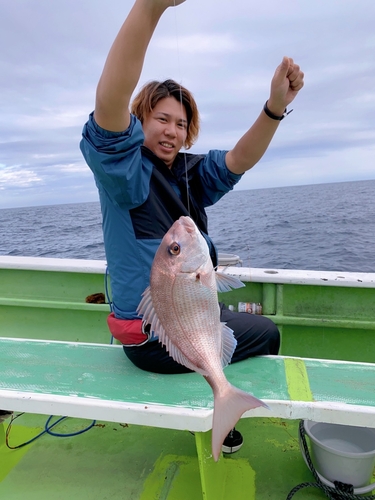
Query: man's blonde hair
[[151, 93]]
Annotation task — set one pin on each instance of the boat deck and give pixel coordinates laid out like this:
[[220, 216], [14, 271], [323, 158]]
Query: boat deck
[[123, 460], [129, 462]]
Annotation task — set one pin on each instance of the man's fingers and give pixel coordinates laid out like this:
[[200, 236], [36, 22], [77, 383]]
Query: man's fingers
[[297, 86], [296, 78], [288, 80], [293, 72], [291, 64], [284, 67]]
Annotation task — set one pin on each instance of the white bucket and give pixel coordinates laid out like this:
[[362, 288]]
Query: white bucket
[[342, 453]]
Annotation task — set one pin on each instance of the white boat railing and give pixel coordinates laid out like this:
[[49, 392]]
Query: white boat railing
[[246, 274]]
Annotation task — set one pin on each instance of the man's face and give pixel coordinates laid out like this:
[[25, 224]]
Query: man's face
[[165, 129]]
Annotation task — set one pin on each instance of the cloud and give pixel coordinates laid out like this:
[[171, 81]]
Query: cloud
[[16, 177], [53, 54]]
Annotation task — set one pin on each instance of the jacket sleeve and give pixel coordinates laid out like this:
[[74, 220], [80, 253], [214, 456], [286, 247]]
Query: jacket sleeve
[[216, 178], [116, 162]]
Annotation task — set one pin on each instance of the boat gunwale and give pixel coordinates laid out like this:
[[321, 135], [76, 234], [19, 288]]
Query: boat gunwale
[[246, 274]]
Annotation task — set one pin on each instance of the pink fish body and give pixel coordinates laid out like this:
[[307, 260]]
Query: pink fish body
[[181, 304]]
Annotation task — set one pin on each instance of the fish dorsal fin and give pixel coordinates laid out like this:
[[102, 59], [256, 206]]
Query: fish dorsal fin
[[225, 282], [229, 344], [146, 308]]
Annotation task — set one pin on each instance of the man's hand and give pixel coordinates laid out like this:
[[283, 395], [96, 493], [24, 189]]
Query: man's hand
[[286, 83]]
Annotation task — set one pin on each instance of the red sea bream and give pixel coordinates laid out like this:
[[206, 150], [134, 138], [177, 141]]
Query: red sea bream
[[181, 304]]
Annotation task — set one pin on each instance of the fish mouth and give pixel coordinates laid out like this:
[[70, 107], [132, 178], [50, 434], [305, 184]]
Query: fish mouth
[[187, 224]]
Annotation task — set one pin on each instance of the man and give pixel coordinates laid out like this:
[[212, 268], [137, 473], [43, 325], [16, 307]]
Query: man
[[145, 183]]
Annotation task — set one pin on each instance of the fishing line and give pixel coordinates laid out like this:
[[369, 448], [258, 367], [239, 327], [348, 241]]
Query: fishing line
[[181, 105]]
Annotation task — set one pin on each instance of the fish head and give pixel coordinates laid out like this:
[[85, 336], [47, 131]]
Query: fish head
[[183, 249]]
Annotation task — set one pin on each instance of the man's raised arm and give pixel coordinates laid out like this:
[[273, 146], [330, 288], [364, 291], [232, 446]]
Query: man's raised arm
[[287, 81], [124, 63]]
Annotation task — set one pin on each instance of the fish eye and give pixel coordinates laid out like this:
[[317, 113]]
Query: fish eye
[[174, 248]]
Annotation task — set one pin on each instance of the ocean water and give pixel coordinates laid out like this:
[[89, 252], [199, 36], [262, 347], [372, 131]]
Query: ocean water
[[315, 227]]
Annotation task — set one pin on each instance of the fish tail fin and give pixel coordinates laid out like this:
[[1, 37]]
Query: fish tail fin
[[228, 409]]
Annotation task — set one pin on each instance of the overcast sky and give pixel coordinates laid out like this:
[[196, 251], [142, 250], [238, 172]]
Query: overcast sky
[[52, 53]]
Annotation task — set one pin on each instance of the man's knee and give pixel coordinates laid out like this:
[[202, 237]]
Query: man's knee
[[273, 336]]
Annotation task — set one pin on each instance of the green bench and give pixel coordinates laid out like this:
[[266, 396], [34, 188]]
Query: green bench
[[96, 381]]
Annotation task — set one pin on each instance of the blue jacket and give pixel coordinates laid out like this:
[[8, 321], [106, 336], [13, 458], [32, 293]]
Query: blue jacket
[[140, 199]]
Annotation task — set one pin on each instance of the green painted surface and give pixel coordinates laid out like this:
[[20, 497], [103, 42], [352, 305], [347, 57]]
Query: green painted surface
[[329, 343], [9, 459], [42, 322], [116, 462], [104, 372], [316, 321], [50, 285], [110, 461], [329, 322], [225, 478], [344, 381], [173, 477], [329, 302], [297, 380], [51, 305], [138, 463]]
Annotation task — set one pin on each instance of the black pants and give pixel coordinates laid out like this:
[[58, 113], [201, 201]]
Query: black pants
[[256, 335]]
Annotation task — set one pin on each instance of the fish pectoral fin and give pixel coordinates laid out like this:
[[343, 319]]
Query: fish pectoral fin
[[200, 277], [225, 283], [205, 279], [146, 309], [228, 345]]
